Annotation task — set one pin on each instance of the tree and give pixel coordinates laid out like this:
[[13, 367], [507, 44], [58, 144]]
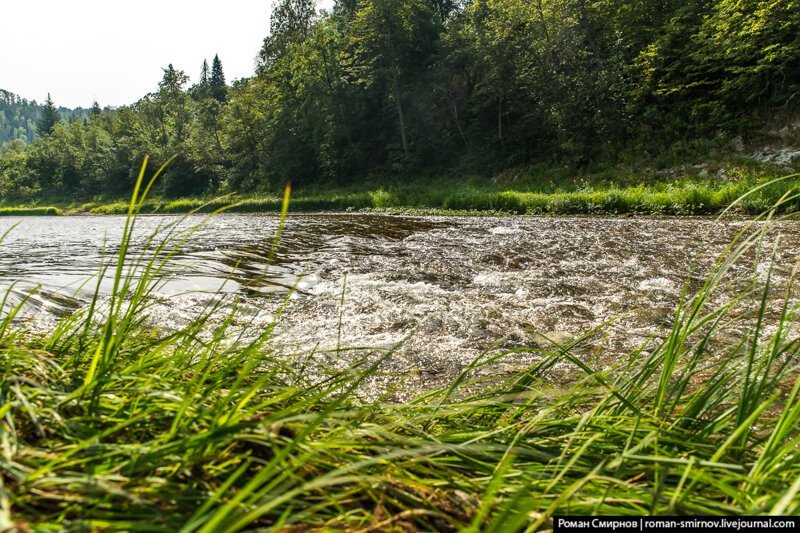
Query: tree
[[289, 24], [394, 42], [243, 135], [172, 81], [216, 84], [48, 118], [719, 61], [375, 87], [16, 181], [171, 110], [344, 9], [202, 89], [204, 76]]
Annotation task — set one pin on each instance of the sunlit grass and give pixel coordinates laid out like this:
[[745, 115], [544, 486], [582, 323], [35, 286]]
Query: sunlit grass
[[707, 196], [30, 211]]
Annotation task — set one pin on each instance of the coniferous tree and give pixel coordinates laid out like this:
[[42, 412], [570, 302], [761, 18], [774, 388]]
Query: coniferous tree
[[217, 82], [95, 111], [202, 89], [204, 76], [48, 117]]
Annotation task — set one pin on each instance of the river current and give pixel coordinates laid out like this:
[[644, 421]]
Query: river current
[[436, 291]]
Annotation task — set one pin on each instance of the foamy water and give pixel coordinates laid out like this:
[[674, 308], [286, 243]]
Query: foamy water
[[437, 291]]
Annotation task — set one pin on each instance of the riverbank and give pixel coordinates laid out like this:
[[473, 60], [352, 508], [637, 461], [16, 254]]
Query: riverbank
[[684, 191], [30, 211]]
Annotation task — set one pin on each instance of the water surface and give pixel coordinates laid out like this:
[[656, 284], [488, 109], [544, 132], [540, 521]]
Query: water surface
[[440, 289]]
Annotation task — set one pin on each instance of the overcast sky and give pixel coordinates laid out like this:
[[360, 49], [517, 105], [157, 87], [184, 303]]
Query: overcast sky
[[113, 51]]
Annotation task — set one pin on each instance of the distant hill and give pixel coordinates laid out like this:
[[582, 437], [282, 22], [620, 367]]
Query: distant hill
[[18, 117]]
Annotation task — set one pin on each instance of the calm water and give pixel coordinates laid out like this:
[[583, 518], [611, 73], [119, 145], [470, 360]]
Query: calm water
[[443, 289]]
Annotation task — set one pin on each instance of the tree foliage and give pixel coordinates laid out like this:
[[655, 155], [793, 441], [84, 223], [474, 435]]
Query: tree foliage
[[379, 87], [216, 83], [48, 117]]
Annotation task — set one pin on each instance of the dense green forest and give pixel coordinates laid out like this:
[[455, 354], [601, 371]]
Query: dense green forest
[[384, 88]]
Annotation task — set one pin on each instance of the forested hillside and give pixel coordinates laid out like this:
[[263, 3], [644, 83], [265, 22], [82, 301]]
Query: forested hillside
[[18, 117], [401, 87]]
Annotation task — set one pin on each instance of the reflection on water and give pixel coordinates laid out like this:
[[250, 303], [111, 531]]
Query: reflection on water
[[446, 288], [228, 253]]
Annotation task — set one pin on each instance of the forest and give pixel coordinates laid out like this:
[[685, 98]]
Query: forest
[[384, 89], [18, 117]]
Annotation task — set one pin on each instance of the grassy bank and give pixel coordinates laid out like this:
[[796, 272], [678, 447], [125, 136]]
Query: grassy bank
[[108, 424], [29, 211], [533, 191], [531, 194]]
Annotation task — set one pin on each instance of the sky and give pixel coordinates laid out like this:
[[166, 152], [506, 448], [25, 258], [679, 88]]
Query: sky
[[113, 51]]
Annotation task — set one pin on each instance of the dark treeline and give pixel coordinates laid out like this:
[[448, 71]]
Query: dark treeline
[[401, 87]]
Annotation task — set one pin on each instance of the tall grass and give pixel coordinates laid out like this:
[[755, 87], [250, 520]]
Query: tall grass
[[106, 424]]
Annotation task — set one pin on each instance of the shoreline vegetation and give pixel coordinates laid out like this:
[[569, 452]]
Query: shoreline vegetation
[[443, 106], [107, 423], [522, 194]]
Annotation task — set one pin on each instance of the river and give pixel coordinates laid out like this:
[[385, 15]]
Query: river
[[438, 291]]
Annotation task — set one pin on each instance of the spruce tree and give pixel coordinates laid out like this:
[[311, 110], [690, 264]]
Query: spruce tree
[[95, 111], [217, 82], [204, 76], [48, 118]]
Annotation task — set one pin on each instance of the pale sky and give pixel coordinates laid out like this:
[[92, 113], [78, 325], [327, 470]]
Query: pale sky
[[113, 51]]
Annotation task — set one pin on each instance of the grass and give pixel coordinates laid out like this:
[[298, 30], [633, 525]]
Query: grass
[[533, 191], [30, 211], [107, 424], [705, 196]]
